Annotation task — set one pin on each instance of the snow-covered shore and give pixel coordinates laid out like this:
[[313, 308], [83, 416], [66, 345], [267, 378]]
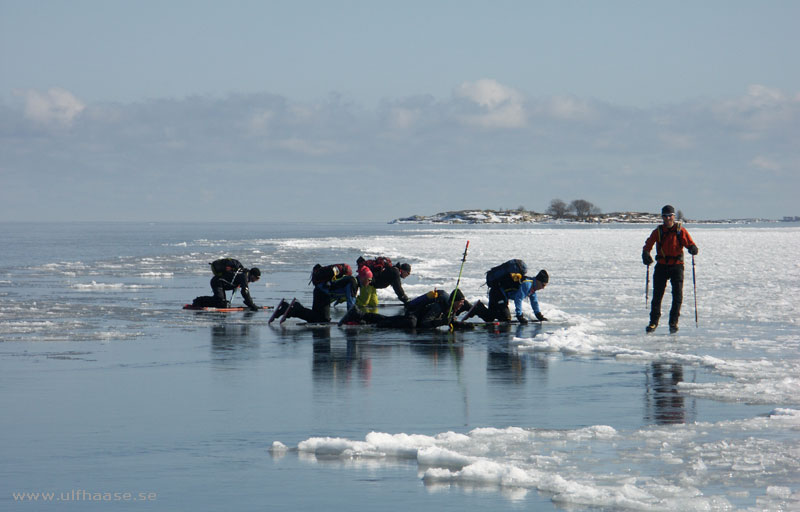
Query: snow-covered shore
[[525, 217]]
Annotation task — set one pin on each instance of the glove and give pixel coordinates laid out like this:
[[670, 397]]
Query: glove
[[541, 317], [693, 250], [647, 259], [522, 320]]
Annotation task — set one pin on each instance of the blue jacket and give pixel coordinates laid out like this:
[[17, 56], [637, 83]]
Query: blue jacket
[[525, 290], [340, 290]]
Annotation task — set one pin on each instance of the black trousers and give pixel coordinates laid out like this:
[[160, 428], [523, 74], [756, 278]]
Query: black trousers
[[320, 311], [218, 288], [498, 307], [662, 274]]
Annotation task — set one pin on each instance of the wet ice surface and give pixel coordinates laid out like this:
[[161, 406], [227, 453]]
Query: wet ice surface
[[108, 384]]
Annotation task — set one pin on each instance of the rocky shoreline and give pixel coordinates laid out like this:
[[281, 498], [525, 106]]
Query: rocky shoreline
[[529, 217]]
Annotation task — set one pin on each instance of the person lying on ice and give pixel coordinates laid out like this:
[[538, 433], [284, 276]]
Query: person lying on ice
[[424, 312], [516, 287], [332, 284]]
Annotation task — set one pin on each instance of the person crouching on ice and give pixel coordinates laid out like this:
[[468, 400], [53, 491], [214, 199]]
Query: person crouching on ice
[[669, 238], [393, 277], [516, 287], [229, 274], [332, 284]]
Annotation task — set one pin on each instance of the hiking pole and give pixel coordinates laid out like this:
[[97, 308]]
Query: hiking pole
[[694, 285], [453, 298], [647, 288], [234, 287]]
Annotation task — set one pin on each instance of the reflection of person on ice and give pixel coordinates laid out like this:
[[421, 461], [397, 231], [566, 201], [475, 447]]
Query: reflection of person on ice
[[229, 274], [669, 238]]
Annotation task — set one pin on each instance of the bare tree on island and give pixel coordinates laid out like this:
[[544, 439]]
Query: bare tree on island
[[583, 208], [557, 208]]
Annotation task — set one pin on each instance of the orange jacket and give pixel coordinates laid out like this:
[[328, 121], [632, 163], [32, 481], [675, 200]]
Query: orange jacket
[[669, 244]]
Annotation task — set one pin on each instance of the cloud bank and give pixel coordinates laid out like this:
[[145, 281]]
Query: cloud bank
[[267, 157]]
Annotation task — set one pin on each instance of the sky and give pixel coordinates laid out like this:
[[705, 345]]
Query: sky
[[345, 111]]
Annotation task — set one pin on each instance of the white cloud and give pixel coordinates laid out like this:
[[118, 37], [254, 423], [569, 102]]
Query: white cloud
[[502, 106], [403, 118], [56, 106], [766, 164], [488, 93], [566, 107]]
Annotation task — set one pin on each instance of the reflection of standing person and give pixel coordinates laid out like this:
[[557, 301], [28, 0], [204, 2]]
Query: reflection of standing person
[[669, 238], [668, 406]]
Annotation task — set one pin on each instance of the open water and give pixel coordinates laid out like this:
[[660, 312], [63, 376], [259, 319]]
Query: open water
[[114, 398]]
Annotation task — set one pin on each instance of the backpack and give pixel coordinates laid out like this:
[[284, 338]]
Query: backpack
[[207, 301], [378, 265], [320, 274], [510, 267], [221, 266], [424, 299]]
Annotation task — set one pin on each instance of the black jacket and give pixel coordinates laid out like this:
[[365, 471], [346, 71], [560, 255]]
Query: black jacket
[[233, 280], [390, 277]]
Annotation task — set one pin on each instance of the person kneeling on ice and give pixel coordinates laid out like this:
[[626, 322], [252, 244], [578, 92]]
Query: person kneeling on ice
[[229, 274], [332, 284], [515, 286], [669, 238], [367, 294], [424, 312]]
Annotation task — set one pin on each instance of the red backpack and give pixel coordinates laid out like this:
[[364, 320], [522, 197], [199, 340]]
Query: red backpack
[[379, 264]]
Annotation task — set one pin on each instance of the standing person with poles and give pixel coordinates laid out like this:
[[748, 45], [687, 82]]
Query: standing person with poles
[[669, 238]]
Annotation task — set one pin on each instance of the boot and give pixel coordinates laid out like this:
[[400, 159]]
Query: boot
[[279, 310], [352, 317], [471, 311]]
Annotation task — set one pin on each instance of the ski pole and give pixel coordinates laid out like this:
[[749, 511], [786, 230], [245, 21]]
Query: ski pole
[[453, 298], [647, 288], [234, 287], [694, 285]]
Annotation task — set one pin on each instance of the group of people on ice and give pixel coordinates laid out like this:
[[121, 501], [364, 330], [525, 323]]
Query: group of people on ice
[[336, 283], [507, 282]]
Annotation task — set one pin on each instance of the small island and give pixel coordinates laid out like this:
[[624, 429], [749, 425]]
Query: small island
[[521, 217], [579, 211]]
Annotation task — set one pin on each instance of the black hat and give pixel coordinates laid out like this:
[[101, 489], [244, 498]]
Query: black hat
[[457, 295], [255, 272], [404, 266], [543, 277], [668, 210]]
